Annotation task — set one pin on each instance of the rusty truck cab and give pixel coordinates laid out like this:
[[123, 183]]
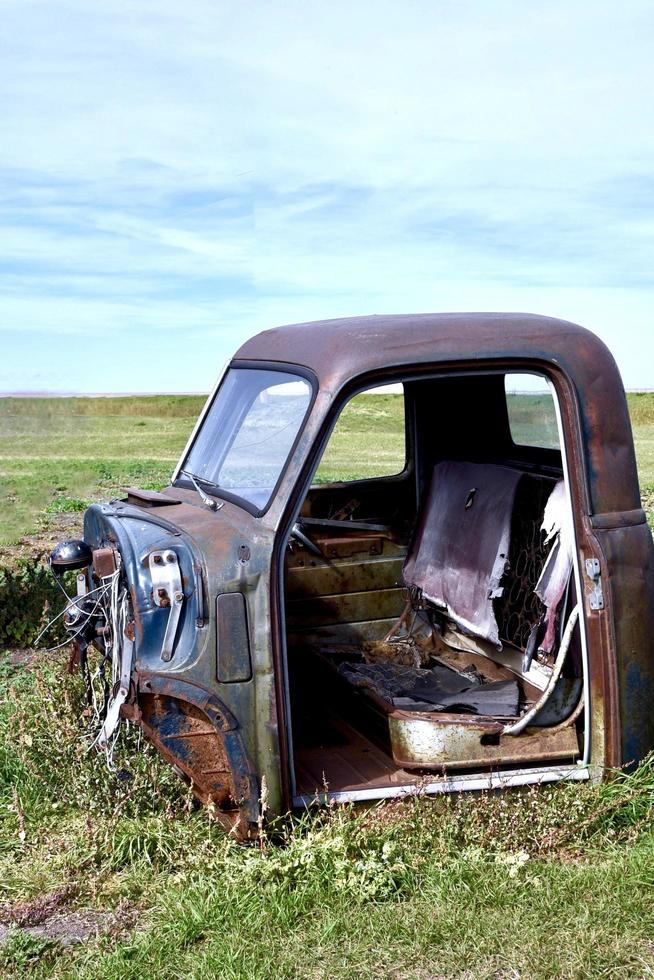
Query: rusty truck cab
[[477, 613]]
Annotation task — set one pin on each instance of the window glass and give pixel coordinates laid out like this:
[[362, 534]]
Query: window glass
[[248, 433], [368, 439], [532, 411]]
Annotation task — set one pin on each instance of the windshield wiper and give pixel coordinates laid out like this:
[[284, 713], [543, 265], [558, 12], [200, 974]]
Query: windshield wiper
[[206, 499]]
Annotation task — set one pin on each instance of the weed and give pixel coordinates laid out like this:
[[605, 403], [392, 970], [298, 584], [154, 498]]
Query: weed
[[28, 593], [62, 504], [22, 952], [47, 761]]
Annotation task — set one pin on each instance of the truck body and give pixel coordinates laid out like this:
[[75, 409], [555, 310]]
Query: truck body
[[479, 614]]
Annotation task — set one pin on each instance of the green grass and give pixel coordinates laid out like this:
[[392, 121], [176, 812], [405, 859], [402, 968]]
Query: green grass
[[549, 882], [58, 454], [641, 408], [368, 440]]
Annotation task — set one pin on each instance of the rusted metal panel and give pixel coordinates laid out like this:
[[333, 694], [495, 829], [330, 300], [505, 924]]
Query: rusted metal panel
[[341, 634], [627, 559], [104, 562], [149, 498], [461, 742], [345, 547], [196, 733], [329, 579]]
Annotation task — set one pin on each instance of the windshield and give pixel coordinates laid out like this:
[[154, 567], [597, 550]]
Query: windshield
[[248, 433]]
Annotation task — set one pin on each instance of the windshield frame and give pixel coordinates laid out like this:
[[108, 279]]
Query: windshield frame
[[282, 367]]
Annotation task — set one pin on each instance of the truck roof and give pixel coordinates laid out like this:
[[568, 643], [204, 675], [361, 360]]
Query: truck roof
[[356, 345], [341, 351]]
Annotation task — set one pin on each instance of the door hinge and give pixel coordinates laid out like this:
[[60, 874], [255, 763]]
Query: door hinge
[[596, 595], [167, 592]]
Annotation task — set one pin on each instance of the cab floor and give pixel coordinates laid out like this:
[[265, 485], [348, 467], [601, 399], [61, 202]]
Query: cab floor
[[345, 760]]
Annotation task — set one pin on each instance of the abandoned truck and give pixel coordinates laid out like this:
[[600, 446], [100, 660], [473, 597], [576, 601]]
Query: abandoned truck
[[470, 605]]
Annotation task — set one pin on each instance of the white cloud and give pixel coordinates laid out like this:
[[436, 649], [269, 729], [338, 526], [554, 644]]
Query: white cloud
[[222, 166]]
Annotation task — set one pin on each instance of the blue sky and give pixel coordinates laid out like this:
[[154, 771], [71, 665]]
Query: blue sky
[[177, 176]]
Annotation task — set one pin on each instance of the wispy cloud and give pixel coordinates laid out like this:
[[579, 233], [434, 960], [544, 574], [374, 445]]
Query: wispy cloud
[[209, 169]]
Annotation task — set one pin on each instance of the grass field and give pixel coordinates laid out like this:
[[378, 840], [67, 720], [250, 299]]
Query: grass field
[[554, 882], [57, 454]]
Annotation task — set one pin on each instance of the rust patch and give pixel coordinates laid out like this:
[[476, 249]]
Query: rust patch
[[197, 735], [461, 742], [190, 742], [104, 562]]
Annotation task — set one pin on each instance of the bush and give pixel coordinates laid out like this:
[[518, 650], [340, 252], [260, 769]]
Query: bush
[[29, 596]]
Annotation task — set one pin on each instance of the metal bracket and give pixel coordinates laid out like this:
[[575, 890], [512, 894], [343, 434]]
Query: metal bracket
[[594, 573], [167, 592]]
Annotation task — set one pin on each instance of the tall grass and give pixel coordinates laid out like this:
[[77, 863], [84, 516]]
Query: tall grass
[[545, 882]]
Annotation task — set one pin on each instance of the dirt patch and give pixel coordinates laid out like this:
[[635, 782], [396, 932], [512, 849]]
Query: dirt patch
[[21, 658], [64, 928], [70, 928], [44, 918], [37, 547]]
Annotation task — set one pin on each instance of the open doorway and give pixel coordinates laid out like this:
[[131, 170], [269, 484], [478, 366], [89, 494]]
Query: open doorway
[[431, 615]]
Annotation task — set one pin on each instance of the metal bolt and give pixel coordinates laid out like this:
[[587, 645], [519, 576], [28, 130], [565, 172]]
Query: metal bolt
[[157, 559], [170, 556], [179, 596]]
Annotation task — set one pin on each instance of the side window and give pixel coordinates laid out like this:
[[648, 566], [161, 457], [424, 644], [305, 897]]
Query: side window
[[369, 438], [532, 412]]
